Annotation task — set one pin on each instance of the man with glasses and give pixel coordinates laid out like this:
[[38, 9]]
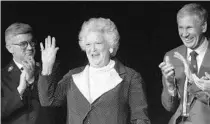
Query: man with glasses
[[24, 44], [19, 95]]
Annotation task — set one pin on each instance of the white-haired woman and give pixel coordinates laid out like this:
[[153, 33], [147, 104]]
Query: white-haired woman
[[102, 92]]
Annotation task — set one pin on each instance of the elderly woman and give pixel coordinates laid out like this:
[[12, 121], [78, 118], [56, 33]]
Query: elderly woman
[[102, 92]]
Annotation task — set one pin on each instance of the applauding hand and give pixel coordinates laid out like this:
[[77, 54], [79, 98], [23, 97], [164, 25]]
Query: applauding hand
[[29, 66], [168, 72]]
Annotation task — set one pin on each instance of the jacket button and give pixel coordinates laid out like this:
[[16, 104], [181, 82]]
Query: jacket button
[[32, 117]]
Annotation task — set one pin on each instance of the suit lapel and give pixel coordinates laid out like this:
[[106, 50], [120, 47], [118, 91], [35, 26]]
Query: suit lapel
[[76, 100], [14, 75], [82, 106], [34, 85], [120, 68], [205, 66]]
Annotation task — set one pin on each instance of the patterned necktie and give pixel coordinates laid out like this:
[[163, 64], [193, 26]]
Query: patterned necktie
[[193, 62]]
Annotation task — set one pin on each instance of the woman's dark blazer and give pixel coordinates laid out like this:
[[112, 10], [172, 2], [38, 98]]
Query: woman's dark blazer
[[124, 104]]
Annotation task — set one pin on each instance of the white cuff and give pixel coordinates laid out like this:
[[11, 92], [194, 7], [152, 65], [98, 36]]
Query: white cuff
[[31, 81], [172, 91]]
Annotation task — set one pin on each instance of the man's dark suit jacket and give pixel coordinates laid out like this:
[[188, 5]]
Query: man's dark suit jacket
[[200, 107], [124, 104], [17, 111]]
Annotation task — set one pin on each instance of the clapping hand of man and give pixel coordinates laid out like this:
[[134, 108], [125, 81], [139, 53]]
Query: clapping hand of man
[[205, 82], [48, 54], [28, 68], [27, 75], [168, 72]]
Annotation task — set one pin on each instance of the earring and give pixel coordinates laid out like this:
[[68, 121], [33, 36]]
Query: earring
[[111, 50]]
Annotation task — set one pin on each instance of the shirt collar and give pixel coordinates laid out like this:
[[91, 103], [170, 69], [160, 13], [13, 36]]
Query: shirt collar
[[200, 50], [18, 64], [105, 68]]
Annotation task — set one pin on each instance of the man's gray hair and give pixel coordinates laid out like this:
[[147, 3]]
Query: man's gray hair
[[16, 29], [194, 9]]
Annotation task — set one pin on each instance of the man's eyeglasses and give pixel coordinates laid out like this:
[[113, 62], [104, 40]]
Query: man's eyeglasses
[[24, 44]]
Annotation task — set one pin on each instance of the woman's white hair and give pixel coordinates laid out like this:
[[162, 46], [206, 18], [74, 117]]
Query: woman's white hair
[[104, 26]]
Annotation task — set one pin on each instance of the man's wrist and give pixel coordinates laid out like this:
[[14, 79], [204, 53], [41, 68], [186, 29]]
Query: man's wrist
[[170, 83], [171, 87]]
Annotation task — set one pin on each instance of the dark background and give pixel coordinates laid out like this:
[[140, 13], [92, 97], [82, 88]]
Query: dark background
[[147, 31]]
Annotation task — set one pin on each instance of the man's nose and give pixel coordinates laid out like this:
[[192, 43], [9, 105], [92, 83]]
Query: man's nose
[[185, 33], [29, 46]]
